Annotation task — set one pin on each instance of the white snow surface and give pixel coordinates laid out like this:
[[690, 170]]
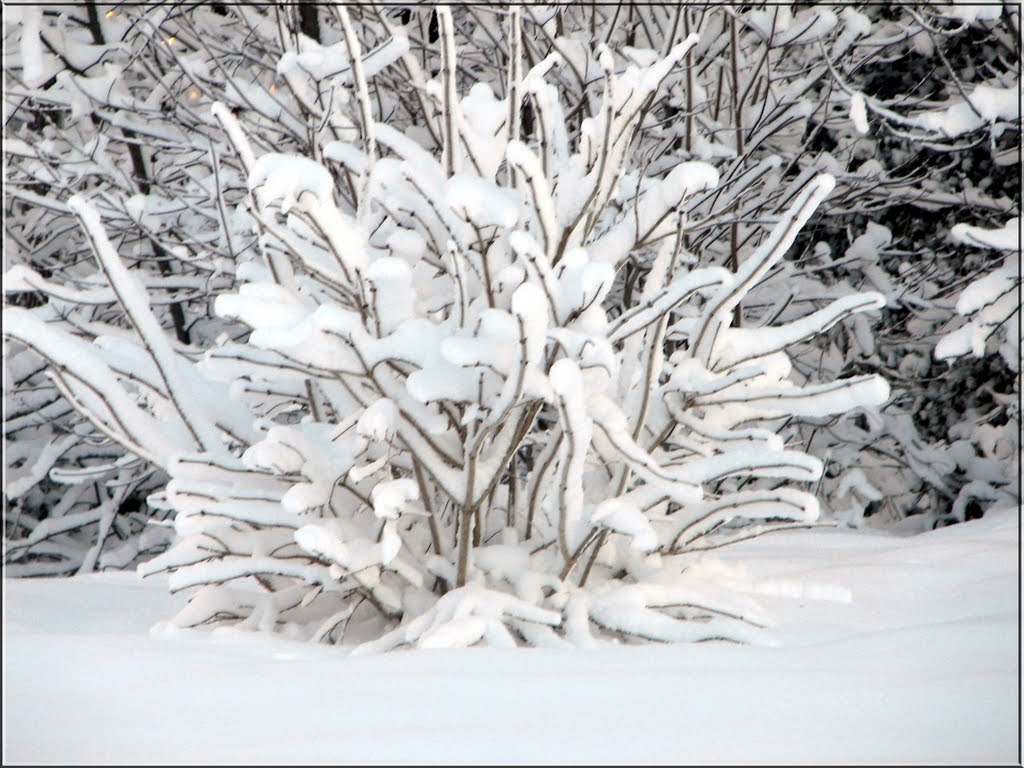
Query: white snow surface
[[887, 650]]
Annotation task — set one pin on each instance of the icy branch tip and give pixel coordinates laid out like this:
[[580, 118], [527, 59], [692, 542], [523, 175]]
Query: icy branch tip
[[680, 50], [218, 110], [826, 182], [79, 206]]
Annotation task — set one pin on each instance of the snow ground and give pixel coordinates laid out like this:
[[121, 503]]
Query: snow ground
[[890, 650]]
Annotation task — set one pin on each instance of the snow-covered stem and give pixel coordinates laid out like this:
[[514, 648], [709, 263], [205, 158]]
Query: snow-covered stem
[[362, 94]]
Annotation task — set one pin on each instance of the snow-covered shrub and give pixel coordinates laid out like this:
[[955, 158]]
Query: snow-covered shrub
[[990, 303], [985, 447], [437, 413], [914, 110], [119, 98], [773, 96], [106, 101], [114, 101]]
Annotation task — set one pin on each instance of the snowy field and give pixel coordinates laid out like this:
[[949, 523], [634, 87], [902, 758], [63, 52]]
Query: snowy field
[[883, 650]]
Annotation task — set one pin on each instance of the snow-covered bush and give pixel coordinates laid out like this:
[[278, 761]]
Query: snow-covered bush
[[990, 303], [110, 102], [114, 104], [437, 414], [914, 110], [985, 445]]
